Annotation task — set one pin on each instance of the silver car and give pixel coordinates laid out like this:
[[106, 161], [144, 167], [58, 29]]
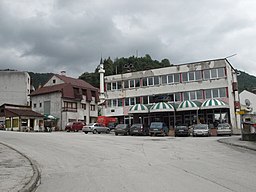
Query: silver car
[[224, 129], [95, 128], [201, 130]]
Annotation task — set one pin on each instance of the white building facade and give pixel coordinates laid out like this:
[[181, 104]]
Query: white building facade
[[15, 87], [67, 99], [200, 82]]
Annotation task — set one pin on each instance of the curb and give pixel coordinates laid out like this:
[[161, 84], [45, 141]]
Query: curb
[[35, 179], [236, 145]]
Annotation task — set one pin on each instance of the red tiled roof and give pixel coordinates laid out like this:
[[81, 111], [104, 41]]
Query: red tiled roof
[[75, 82], [24, 112], [49, 89]]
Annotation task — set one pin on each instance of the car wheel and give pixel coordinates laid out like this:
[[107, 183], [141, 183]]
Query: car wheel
[[116, 133], [108, 131], [94, 131], [85, 132]]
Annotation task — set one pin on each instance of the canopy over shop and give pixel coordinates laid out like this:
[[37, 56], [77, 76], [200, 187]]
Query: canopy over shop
[[187, 112]]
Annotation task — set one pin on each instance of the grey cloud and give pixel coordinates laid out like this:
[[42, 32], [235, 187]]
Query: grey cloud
[[72, 35]]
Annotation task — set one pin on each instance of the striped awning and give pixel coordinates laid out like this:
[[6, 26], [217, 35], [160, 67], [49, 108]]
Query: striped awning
[[161, 107], [213, 104], [187, 105], [138, 108]]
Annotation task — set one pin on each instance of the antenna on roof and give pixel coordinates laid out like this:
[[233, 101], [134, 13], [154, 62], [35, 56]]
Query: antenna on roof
[[230, 56]]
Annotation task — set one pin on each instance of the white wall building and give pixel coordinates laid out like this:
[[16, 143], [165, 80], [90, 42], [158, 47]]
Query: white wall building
[[15, 87], [248, 100], [67, 99], [197, 82]]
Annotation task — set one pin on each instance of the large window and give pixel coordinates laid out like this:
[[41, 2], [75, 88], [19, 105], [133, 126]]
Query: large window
[[164, 79], [145, 99], [192, 95], [215, 93], [69, 106], [214, 73]]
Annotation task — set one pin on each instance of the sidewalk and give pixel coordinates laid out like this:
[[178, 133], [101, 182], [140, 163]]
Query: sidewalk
[[17, 172], [236, 141]]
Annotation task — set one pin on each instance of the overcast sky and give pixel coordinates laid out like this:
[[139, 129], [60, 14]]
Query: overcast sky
[[55, 35]]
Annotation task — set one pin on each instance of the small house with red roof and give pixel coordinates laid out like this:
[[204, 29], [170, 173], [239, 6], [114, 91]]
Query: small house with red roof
[[67, 99]]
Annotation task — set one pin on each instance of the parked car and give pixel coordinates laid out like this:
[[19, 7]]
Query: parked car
[[201, 130], [122, 129], [95, 128], [158, 128], [138, 129], [224, 129], [74, 126], [182, 130]]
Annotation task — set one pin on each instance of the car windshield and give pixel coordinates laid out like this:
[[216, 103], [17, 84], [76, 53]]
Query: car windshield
[[136, 126], [181, 127], [90, 124], [121, 126], [201, 126], [224, 126], [156, 125]]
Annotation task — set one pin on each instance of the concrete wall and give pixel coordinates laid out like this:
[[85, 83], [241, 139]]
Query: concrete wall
[[15, 87]]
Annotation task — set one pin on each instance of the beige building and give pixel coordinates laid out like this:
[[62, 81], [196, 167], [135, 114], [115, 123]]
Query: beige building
[[203, 91], [64, 99]]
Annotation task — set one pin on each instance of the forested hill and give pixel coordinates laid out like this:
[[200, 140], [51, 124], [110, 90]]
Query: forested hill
[[246, 81], [123, 65], [39, 79]]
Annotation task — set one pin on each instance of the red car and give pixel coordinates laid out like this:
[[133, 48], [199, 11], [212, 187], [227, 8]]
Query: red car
[[74, 126]]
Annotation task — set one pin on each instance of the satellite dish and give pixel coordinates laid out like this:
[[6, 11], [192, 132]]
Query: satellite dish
[[247, 102]]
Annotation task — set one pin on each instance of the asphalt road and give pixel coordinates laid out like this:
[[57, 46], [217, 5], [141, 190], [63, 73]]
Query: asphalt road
[[108, 163]]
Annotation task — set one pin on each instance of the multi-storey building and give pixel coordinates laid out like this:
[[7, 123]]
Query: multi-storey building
[[199, 92], [15, 87], [66, 99]]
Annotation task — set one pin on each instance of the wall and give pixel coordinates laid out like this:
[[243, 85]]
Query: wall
[[15, 87]]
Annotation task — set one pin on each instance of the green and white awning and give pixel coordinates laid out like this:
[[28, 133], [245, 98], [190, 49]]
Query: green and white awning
[[187, 105], [213, 104], [138, 108], [161, 107]]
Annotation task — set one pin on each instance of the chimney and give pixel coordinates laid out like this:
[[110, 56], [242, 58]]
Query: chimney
[[63, 73]]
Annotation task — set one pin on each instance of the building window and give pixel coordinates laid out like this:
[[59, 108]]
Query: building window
[[83, 106], [170, 79], [114, 86], [137, 100], [145, 83], [198, 75], [164, 79], [145, 99], [54, 81], [221, 72], [132, 84], [34, 105], [184, 77], [40, 104], [207, 74], [208, 94], [223, 92], [156, 80], [126, 84], [176, 78], [214, 73], [191, 76], [108, 86], [114, 102], [132, 101], [127, 103], [137, 82], [120, 102], [70, 106], [93, 108], [119, 85], [215, 93], [151, 99], [177, 97], [150, 81], [199, 94]]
